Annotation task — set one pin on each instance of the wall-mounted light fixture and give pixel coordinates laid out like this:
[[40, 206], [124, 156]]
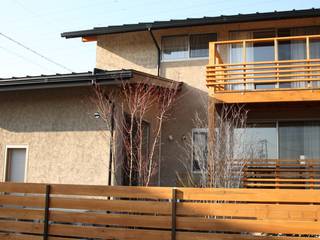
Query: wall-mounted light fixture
[[184, 138], [96, 115]]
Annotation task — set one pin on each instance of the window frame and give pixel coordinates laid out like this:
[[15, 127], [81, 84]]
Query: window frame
[[189, 51], [196, 130], [172, 36], [278, 122], [18, 146]]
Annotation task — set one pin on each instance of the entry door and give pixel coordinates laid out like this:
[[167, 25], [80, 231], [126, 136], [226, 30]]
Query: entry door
[[16, 164], [145, 149]]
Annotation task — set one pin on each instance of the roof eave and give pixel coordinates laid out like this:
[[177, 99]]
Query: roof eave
[[240, 18], [99, 77]]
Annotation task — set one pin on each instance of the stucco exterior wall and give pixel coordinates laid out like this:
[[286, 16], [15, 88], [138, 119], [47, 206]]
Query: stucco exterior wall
[[127, 51], [137, 51], [66, 144]]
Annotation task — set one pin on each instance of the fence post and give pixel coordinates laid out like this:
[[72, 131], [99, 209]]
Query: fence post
[[173, 213], [46, 213]]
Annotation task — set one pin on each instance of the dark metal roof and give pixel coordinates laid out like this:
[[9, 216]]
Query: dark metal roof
[[306, 13], [100, 77]]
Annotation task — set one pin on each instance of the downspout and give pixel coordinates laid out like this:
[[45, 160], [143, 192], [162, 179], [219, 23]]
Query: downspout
[[111, 145], [158, 49], [158, 69], [94, 83]]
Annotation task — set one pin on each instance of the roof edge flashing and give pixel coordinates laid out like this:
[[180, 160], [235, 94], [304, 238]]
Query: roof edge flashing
[[192, 22]]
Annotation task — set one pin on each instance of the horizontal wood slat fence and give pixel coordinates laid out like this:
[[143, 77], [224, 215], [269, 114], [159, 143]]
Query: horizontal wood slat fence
[[279, 173], [61, 212]]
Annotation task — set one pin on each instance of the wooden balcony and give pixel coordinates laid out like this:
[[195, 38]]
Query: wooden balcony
[[282, 69]]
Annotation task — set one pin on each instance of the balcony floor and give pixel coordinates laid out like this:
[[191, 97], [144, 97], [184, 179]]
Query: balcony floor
[[276, 95]]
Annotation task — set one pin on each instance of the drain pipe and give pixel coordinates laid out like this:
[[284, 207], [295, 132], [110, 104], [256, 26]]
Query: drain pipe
[[158, 49], [111, 146], [158, 66]]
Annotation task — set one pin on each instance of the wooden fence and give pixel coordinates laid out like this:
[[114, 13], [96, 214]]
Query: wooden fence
[[61, 212], [279, 173]]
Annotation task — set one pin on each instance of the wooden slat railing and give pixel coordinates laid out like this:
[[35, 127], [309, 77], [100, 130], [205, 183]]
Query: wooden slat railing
[[100, 212], [275, 173], [298, 74]]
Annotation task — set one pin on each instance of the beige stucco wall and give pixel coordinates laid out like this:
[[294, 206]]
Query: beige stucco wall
[[137, 51], [127, 51], [66, 144]]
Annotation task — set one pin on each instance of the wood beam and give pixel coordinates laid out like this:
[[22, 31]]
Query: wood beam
[[211, 138], [89, 39], [267, 96]]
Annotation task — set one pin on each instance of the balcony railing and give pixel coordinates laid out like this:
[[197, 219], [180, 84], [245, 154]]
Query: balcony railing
[[282, 173], [264, 65]]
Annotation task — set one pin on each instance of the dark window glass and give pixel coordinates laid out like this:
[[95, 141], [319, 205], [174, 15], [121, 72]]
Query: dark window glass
[[256, 141], [199, 149], [199, 44], [175, 47], [299, 140]]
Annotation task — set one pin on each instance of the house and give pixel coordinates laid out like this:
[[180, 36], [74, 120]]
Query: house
[[267, 61], [51, 131]]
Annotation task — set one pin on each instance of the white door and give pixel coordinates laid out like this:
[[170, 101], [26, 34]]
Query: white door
[[16, 164]]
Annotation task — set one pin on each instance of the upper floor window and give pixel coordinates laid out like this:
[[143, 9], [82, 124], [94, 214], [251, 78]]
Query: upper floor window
[[175, 48], [186, 46]]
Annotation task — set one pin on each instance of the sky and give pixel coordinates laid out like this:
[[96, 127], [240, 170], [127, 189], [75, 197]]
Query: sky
[[37, 24]]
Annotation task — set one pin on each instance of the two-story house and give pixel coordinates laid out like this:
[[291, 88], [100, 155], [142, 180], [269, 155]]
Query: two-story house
[[268, 61]]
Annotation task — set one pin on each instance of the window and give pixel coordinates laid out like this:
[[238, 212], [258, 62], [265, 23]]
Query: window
[[199, 45], [281, 140], [264, 52], [175, 48], [199, 148], [299, 140], [15, 164], [186, 46], [256, 141]]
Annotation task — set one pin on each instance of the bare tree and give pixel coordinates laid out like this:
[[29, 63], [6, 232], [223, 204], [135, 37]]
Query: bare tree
[[221, 156], [137, 103], [227, 153]]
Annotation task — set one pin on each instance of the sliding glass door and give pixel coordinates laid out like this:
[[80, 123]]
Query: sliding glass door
[[275, 55], [281, 140], [259, 141], [299, 140], [264, 52]]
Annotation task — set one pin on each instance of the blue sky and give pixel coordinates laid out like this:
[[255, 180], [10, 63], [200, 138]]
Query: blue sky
[[39, 23]]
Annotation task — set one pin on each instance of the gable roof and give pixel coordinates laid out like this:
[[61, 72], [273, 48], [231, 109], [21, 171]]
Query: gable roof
[[189, 22], [100, 77]]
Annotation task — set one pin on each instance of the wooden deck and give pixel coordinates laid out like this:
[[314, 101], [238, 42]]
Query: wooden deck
[[61, 212]]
